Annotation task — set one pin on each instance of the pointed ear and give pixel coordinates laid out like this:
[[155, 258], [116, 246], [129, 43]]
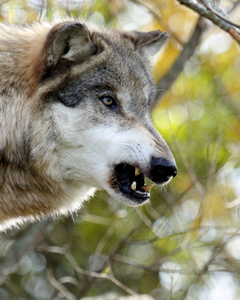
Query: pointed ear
[[69, 41], [148, 43]]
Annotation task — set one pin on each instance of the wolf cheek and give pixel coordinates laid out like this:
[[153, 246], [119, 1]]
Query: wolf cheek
[[119, 159]]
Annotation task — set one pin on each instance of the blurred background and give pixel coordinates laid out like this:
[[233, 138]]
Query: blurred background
[[185, 243]]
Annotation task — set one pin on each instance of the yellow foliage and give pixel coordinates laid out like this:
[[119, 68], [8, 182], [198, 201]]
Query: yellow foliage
[[215, 202], [182, 183]]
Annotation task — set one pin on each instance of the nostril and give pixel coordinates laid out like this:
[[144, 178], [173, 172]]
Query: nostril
[[162, 169]]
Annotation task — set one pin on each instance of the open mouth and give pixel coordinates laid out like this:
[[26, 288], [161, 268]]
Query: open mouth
[[131, 183]]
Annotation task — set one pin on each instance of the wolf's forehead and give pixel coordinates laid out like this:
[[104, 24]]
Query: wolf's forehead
[[128, 66], [134, 83], [126, 70]]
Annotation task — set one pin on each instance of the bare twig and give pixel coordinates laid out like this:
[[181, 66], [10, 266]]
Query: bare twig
[[43, 12], [144, 218], [156, 15], [233, 203], [102, 242], [210, 15], [58, 286], [219, 15], [69, 279], [164, 83], [156, 268], [110, 258], [106, 276], [3, 2], [235, 4]]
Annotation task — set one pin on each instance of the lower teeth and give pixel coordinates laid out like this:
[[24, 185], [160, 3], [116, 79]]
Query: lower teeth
[[145, 189], [148, 187], [134, 185]]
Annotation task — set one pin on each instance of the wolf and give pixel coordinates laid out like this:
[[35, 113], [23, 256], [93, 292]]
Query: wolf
[[74, 118]]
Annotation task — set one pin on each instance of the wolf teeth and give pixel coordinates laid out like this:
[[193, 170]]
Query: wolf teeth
[[137, 171], [134, 185], [148, 187]]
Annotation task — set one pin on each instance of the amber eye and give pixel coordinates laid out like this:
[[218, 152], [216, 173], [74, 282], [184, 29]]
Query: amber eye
[[107, 100]]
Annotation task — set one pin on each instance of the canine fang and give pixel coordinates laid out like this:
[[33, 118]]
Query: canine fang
[[137, 172], [148, 187], [134, 185]]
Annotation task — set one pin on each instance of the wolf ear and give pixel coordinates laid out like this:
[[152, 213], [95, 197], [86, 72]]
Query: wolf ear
[[148, 43], [70, 41]]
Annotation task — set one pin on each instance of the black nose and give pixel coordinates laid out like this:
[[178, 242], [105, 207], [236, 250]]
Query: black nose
[[162, 170]]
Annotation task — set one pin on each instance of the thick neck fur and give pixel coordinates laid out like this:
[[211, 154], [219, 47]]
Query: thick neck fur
[[31, 182], [20, 50], [26, 188]]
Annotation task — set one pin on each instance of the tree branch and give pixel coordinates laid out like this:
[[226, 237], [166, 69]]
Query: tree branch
[[164, 83], [58, 286], [155, 13], [210, 14], [218, 14], [235, 4]]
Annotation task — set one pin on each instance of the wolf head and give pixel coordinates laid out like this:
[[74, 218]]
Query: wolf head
[[97, 91]]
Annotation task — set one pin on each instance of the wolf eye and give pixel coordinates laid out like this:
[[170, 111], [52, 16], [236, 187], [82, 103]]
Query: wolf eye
[[108, 101]]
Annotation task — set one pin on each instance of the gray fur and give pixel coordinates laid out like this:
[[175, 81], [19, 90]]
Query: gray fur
[[60, 138]]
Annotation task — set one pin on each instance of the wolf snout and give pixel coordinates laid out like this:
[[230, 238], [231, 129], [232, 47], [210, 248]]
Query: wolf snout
[[162, 170]]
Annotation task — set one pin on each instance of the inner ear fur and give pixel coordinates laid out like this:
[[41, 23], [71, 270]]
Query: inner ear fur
[[148, 43], [66, 43]]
